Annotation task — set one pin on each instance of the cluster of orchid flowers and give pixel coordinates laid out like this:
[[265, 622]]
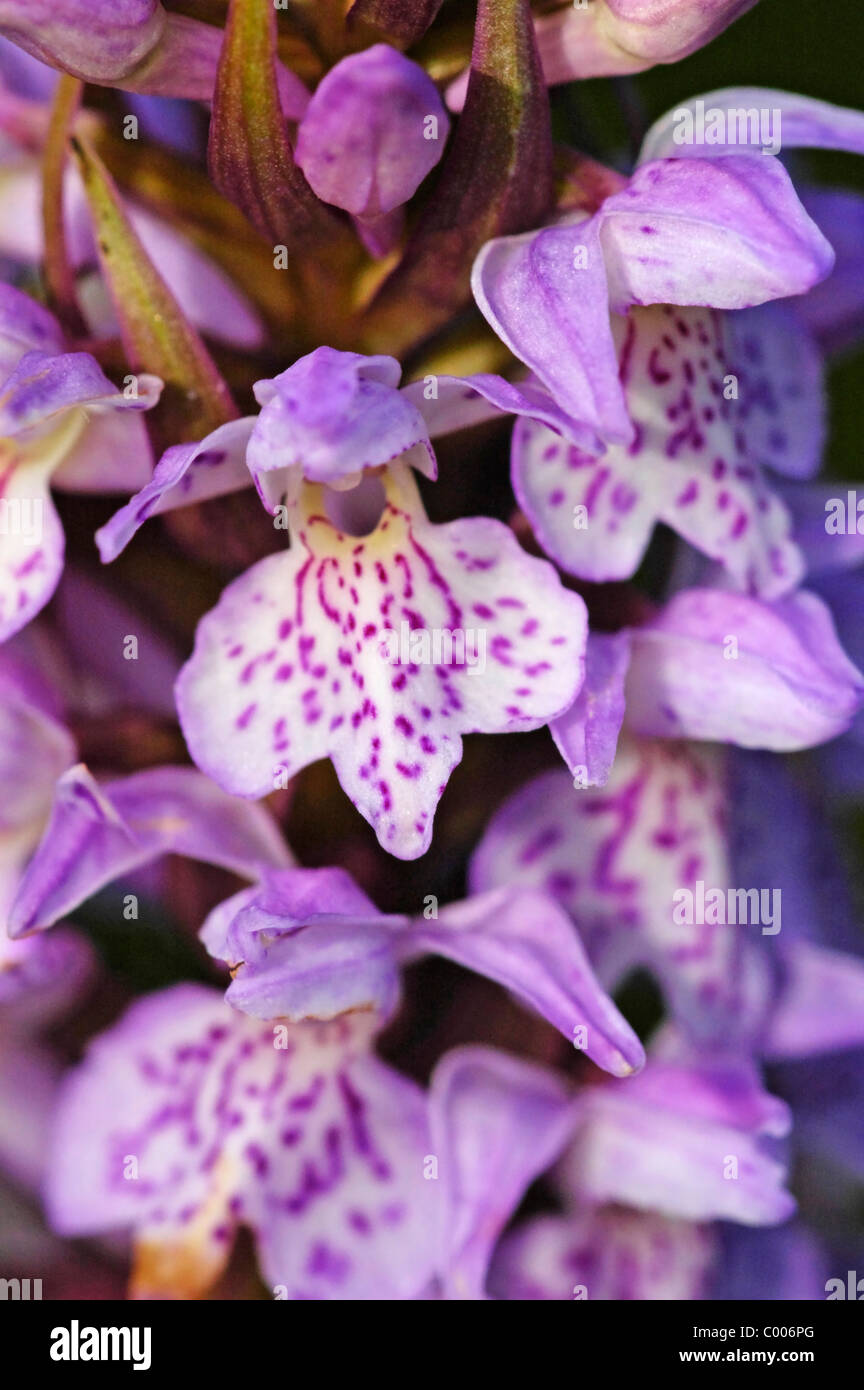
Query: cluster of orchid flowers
[[664, 336]]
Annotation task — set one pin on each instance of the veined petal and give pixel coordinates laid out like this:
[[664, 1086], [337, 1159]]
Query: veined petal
[[496, 1122], [728, 232], [97, 834], [545, 294], [606, 1254], [586, 735], [100, 40], [297, 1133], [673, 1141], [620, 860], [186, 473], [692, 463], [310, 655], [525, 941], [722, 666], [797, 122]]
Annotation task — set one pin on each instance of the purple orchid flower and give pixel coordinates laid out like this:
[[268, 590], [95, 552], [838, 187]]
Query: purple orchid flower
[[633, 835], [708, 399], [307, 943], [374, 129], [607, 38], [136, 45], [311, 650], [649, 1169], [61, 419], [328, 1156]]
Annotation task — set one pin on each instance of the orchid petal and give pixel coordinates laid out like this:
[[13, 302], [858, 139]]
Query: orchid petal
[[804, 123], [665, 1142], [545, 295], [586, 735], [727, 232], [691, 464], [496, 1123], [97, 834], [787, 684], [522, 939], [617, 859], [186, 473], [605, 1254]]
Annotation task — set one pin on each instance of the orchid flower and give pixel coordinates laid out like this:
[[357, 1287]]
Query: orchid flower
[[643, 319], [61, 419], [310, 650], [188, 1120]]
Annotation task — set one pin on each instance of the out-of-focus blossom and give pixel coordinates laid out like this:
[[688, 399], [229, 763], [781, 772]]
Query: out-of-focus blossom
[[328, 1156], [374, 129], [133, 44], [203, 290], [311, 649], [607, 38], [61, 420]]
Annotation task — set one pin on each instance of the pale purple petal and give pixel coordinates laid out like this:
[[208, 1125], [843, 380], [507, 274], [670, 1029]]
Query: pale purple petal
[[31, 543], [726, 667], [333, 414], [306, 944], [727, 232], [366, 141], [804, 123], [586, 736], [97, 834], [186, 473], [45, 385], [545, 295], [496, 1122], [673, 1141], [617, 858], [449, 403], [522, 939], [821, 1004], [834, 310], [25, 326]]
